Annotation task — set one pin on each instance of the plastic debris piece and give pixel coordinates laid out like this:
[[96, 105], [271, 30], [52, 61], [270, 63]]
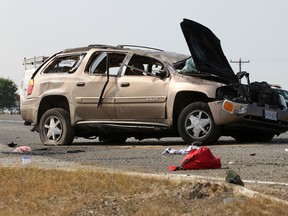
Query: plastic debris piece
[[26, 159], [22, 149], [171, 150], [12, 144], [233, 177]]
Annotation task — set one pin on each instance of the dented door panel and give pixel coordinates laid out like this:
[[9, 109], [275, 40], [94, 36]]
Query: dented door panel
[[143, 98]]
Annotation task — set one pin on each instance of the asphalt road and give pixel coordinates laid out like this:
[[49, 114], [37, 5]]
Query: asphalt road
[[259, 164]]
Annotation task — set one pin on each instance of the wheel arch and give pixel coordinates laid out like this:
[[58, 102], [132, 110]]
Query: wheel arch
[[183, 99], [52, 101]]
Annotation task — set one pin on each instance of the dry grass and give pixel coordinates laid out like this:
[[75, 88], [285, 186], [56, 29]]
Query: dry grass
[[32, 191]]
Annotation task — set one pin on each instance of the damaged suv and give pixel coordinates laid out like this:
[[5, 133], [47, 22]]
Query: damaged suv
[[116, 92]]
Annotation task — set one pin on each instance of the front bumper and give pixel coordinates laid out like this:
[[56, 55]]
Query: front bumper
[[250, 115]]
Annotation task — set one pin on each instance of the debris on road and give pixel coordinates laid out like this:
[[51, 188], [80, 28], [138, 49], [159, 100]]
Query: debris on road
[[200, 158], [22, 149], [26, 159], [233, 177], [12, 144], [171, 150]]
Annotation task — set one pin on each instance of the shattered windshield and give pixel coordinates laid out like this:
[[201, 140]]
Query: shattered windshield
[[283, 92], [189, 66]]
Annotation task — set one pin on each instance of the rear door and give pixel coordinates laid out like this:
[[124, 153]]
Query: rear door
[[95, 90]]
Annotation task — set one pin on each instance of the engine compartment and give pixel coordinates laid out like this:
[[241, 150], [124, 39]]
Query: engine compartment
[[260, 93]]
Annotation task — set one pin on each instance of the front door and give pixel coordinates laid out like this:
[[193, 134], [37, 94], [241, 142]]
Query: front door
[[142, 91]]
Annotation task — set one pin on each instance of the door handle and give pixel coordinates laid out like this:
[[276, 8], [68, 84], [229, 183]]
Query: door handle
[[125, 84], [80, 84]]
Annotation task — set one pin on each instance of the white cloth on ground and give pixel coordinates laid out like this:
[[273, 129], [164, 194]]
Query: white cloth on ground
[[171, 150]]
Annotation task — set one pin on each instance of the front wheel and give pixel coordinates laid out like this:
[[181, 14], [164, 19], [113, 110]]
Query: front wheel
[[196, 124], [55, 127]]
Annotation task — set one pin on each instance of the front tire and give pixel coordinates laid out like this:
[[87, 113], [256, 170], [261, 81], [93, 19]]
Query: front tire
[[55, 127], [196, 124]]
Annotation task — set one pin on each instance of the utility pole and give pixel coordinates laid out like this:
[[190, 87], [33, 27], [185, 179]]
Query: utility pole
[[240, 62]]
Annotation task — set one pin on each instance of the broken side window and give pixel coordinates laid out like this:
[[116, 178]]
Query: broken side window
[[98, 63], [65, 64], [143, 66]]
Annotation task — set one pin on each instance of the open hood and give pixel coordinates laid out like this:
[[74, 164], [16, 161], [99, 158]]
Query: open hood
[[206, 50]]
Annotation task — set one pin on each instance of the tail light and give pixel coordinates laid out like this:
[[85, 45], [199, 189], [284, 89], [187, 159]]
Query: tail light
[[30, 87]]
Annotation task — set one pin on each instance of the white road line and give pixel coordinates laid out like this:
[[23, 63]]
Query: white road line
[[12, 121]]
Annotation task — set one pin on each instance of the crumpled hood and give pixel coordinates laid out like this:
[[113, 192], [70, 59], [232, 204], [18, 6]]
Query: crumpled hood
[[206, 50]]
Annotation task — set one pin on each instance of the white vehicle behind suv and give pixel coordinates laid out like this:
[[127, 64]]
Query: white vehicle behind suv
[[30, 66]]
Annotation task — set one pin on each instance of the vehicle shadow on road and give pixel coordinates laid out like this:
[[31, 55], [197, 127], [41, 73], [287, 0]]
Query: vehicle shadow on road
[[174, 142]]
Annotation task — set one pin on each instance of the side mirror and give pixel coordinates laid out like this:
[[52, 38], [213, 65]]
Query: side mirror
[[160, 73], [241, 74], [164, 74]]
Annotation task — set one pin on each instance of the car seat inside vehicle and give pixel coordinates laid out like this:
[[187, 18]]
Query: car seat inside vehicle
[[136, 68]]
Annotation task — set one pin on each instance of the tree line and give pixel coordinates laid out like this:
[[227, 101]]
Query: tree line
[[8, 91]]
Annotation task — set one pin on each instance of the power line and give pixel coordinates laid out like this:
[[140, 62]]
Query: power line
[[240, 62]]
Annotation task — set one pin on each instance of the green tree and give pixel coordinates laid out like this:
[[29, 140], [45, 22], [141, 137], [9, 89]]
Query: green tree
[[8, 90]]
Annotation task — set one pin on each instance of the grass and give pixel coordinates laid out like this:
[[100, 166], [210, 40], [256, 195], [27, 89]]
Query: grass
[[34, 191]]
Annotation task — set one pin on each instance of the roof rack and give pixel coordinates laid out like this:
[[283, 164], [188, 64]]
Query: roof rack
[[136, 46], [34, 62], [103, 46]]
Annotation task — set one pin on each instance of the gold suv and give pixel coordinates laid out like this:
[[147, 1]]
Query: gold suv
[[116, 92]]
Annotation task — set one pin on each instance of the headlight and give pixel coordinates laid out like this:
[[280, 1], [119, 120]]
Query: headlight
[[236, 108], [283, 102]]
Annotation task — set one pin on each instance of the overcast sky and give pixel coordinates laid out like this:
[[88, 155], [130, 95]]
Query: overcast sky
[[254, 30]]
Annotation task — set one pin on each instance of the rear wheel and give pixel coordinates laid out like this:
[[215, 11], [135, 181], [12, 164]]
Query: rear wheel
[[196, 123], [55, 127]]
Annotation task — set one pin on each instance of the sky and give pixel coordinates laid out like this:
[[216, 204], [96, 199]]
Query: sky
[[254, 31]]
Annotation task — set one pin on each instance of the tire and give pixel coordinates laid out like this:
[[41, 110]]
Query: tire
[[55, 127], [196, 124], [253, 137]]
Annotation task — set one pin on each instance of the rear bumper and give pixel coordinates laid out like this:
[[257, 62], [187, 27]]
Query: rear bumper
[[253, 118], [29, 110]]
